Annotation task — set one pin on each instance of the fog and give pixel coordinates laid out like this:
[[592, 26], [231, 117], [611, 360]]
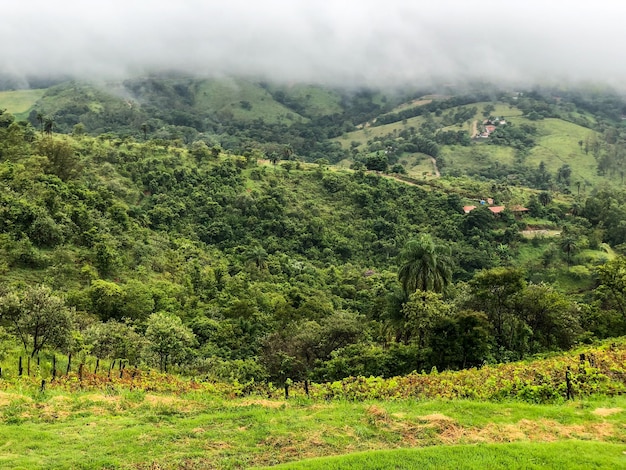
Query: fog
[[340, 42]]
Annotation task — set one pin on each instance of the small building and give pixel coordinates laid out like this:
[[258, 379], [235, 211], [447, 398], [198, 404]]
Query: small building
[[496, 209], [468, 209], [518, 209]]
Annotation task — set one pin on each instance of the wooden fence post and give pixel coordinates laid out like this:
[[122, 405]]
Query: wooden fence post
[[20, 370], [568, 384], [69, 364], [54, 366]]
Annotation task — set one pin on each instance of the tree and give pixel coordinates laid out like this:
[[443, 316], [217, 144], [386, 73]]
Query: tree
[[377, 162], [612, 284], [48, 125], [292, 352], [545, 198], [107, 299], [461, 341], [569, 244], [168, 338], [114, 340], [493, 292], [421, 312], [40, 119], [550, 316], [424, 266], [63, 160], [257, 256], [37, 317]]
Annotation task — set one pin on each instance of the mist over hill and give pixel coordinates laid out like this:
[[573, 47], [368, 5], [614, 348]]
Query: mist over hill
[[345, 43]]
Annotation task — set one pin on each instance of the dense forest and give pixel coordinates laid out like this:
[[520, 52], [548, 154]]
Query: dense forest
[[232, 249]]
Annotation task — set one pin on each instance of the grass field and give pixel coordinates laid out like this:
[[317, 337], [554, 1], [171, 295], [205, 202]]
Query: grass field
[[317, 101], [19, 102], [363, 135], [570, 455], [558, 145], [134, 429], [243, 100]]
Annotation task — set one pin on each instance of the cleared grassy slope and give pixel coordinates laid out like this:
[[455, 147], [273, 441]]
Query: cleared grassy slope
[[19, 102], [557, 145], [241, 100], [134, 429]]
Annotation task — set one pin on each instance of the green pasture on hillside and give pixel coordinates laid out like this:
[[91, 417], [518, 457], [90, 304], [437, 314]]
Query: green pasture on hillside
[[19, 102], [134, 429], [242, 100]]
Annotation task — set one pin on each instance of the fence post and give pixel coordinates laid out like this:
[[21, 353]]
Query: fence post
[[95, 371], [69, 364], [28, 366], [568, 384], [20, 370], [54, 366]]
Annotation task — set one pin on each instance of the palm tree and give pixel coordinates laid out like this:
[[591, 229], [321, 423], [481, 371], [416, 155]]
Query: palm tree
[[48, 125], [569, 244], [424, 266], [258, 257], [40, 118]]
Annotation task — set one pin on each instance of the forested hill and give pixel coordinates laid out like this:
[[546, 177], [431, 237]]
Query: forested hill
[[179, 250]]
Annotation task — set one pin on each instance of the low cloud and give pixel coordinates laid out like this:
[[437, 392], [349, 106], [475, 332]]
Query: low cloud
[[339, 42]]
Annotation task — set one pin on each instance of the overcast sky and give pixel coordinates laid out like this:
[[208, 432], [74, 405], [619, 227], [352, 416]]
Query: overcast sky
[[340, 41]]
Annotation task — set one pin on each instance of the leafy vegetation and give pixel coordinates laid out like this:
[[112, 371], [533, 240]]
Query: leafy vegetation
[[200, 227]]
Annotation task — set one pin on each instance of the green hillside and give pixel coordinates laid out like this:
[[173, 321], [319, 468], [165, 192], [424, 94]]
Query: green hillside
[[177, 255], [181, 209], [241, 100], [19, 102]]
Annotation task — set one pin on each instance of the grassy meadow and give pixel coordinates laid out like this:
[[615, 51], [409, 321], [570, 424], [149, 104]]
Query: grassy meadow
[[579, 455], [160, 421], [137, 429], [19, 102], [242, 100]]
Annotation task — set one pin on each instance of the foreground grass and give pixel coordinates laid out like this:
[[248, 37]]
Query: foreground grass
[[132, 429], [561, 455]]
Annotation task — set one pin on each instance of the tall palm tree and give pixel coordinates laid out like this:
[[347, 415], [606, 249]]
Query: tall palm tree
[[569, 244], [40, 118], [48, 125], [258, 257], [424, 265]]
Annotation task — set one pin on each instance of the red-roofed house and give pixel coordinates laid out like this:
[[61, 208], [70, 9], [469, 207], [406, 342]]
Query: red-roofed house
[[496, 209], [468, 209]]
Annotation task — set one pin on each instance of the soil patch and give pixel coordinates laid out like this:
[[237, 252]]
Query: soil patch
[[603, 412]]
